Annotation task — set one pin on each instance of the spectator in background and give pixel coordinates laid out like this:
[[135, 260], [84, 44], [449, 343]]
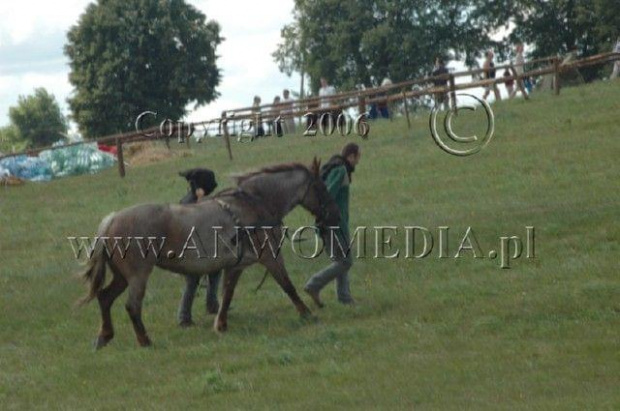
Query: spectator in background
[[509, 84], [326, 90], [275, 124], [257, 120], [489, 73], [529, 82], [382, 106], [441, 98], [616, 71], [520, 69], [288, 107]]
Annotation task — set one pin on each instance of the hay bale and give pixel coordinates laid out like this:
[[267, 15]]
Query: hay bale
[[11, 181], [148, 152]]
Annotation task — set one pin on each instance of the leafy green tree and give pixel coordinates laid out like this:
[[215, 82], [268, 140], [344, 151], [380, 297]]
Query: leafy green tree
[[36, 120], [557, 27], [360, 42], [9, 139], [131, 56]]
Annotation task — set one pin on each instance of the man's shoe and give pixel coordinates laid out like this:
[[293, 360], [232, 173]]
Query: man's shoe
[[315, 297], [349, 301], [213, 307]]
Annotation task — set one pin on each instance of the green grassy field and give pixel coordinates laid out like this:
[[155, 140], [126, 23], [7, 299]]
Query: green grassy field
[[426, 333]]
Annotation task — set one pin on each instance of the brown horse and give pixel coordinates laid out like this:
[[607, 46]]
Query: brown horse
[[204, 237]]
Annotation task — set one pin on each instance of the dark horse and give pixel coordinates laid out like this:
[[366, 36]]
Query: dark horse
[[191, 246]]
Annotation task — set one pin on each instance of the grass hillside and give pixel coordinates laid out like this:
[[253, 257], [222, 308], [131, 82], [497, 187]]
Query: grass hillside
[[426, 333]]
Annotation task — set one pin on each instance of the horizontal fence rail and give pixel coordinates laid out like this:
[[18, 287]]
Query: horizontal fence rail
[[401, 91]]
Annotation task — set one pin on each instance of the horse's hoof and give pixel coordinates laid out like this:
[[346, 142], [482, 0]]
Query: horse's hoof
[[101, 342], [186, 323], [310, 318], [220, 327], [145, 342]]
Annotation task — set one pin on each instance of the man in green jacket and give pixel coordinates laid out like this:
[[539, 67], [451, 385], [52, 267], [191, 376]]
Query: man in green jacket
[[336, 174]]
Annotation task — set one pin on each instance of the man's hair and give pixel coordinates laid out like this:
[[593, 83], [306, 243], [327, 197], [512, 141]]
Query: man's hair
[[349, 149]]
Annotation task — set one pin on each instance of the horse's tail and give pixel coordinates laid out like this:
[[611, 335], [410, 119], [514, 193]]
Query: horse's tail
[[94, 272]]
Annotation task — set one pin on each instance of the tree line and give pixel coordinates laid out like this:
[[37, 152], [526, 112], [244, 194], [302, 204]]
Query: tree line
[[127, 56]]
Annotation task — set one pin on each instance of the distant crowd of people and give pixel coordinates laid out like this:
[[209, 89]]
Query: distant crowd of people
[[441, 99], [284, 107], [526, 83]]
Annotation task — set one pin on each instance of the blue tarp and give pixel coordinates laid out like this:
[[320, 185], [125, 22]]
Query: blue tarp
[[28, 168], [74, 160]]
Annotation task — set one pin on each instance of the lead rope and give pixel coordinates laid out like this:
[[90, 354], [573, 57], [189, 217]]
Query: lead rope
[[237, 222]]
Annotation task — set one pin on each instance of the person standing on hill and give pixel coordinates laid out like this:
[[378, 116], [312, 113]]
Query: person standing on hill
[[440, 70], [509, 84], [616, 71], [287, 111], [519, 68], [336, 174], [275, 125], [257, 119], [325, 92], [489, 73]]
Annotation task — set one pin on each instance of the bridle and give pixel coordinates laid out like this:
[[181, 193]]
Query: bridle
[[323, 212]]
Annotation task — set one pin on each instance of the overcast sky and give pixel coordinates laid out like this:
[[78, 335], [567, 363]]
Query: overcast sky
[[33, 33]]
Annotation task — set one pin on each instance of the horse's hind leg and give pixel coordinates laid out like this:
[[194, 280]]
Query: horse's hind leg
[[137, 288], [231, 276], [279, 273], [106, 298]]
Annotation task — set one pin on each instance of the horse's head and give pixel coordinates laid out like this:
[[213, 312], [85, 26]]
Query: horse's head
[[317, 199]]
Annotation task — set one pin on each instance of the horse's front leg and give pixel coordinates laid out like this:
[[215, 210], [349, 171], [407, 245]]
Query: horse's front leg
[[275, 266], [231, 276]]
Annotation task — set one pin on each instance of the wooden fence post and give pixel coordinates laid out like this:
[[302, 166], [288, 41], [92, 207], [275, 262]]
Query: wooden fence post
[[224, 126], [556, 76], [406, 108], [119, 157]]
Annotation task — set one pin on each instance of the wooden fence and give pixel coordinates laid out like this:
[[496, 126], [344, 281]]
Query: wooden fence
[[358, 98]]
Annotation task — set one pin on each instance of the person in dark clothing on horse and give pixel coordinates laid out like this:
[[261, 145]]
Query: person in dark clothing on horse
[[201, 183]]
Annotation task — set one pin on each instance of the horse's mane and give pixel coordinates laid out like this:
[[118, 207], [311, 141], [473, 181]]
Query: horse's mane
[[277, 168]]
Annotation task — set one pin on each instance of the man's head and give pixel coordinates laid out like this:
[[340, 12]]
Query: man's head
[[201, 180], [438, 61], [324, 82], [352, 153], [285, 93], [519, 47], [490, 55]]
